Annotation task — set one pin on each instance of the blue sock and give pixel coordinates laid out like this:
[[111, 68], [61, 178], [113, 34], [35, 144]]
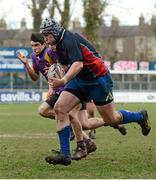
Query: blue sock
[[64, 136], [128, 117]]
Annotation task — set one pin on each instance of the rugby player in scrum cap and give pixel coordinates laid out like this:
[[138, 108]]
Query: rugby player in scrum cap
[[87, 79]]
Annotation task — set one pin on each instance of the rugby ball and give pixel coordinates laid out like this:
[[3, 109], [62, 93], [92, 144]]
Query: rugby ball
[[56, 71]]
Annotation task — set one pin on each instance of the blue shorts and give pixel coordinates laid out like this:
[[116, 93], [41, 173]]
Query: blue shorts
[[99, 89]]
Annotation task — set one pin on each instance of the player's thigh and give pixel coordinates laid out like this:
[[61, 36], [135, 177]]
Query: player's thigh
[[108, 113], [66, 102]]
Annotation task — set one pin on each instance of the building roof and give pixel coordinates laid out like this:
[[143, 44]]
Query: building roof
[[105, 31], [127, 31], [18, 34]]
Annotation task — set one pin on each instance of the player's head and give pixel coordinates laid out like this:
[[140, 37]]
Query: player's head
[[51, 30], [37, 42]]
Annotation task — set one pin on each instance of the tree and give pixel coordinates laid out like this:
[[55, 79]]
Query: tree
[[37, 8], [93, 15], [64, 13], [51, 8]]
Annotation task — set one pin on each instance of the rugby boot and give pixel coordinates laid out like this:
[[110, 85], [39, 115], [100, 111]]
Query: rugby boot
[[58, 158], [80, 152], [120, 128], [91, 146], [145, 123]]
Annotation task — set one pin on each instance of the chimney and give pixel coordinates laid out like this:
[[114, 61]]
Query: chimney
[[141, 20], [23, 24], [153, 21], [3, 24], [114, 22]]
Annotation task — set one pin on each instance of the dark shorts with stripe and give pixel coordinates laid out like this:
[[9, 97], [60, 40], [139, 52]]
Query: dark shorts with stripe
[[99, 89], [52, 100]]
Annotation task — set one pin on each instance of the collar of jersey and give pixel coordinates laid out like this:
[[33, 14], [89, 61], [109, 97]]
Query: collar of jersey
[[61, 37]]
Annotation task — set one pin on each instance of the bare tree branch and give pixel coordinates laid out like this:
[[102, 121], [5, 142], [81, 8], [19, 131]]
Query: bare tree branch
[[58, 6]]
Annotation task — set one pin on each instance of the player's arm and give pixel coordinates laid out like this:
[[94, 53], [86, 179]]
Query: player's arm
[[74, 55], [75, 68], [75, 58], [34, 76]]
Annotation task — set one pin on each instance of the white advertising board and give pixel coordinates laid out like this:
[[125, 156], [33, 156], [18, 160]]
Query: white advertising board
[[134, 97], [20, 96], [125, 65]]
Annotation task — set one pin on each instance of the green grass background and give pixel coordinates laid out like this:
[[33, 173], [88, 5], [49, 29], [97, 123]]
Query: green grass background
[[26, 138]]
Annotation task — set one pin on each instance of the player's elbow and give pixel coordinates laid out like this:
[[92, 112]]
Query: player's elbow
[[80, 65], [34, 79]]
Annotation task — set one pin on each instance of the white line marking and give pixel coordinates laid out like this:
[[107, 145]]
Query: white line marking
[[29, 136]]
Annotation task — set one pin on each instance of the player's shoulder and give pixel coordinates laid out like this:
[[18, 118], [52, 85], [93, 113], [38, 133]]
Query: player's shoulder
[[49, 50], [46, 50], [51, 53], [33, 55], [69, 38]]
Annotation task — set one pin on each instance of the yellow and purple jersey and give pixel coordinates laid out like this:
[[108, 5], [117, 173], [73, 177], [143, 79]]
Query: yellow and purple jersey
[[42, 62]]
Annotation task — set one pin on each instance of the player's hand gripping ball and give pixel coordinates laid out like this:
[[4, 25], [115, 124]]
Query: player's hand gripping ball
[[55, 71]]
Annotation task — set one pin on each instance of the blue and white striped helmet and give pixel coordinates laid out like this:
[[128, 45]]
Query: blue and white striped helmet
[[49, 25]]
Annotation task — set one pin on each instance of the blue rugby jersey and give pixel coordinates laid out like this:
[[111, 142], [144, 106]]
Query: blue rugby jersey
[[73, 47]]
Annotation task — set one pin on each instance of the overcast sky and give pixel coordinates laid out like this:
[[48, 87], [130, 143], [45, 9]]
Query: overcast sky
[[127, 11]]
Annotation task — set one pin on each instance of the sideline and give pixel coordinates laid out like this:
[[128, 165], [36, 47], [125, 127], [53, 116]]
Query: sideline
[[30, 136]]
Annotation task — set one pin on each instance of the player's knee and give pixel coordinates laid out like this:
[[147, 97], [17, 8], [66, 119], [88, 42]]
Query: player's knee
[[72, 115], [116, 118], [91, 114], [113, 119], [85, 126], [59, 108], [42, 111]]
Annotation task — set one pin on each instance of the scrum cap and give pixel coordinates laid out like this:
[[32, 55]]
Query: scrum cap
[[49, 25]]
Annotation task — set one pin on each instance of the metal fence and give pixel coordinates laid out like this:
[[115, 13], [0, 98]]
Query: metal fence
[[134, 80], [123, 81]]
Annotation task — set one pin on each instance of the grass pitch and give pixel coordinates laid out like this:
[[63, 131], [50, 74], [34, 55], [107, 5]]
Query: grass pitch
[[26, 138]]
